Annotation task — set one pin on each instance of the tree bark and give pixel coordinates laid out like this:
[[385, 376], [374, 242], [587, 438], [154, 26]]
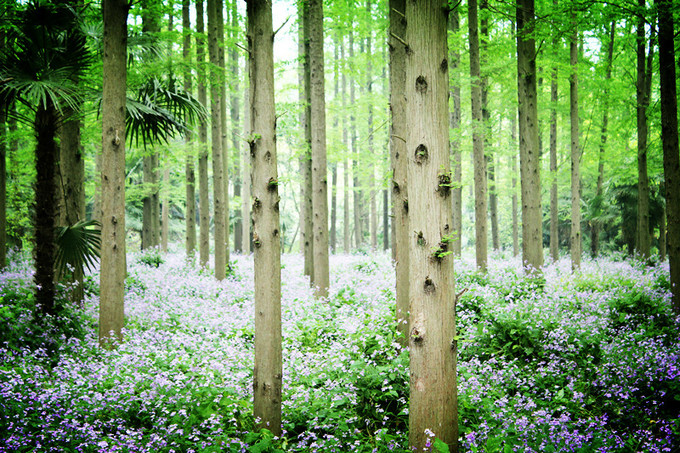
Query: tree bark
[[358, 231], [554, 218], [113, 265], [235, 114], [245, 192], [216, 83], [203, 189], [346, 237], [306, 158], [432, 345], [513, 169], [267, 375], [398, 163], [643, 239], [575, 236], [224, 150], [373, 212], [455, 124], [530, 176], [190, 158], [319, 166], [165, 209], [669, 136], [481, 191]]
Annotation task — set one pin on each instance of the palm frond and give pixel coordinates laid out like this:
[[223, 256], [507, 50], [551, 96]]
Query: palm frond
[[78, 246]]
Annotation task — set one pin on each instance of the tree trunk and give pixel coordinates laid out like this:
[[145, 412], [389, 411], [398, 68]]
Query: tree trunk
[[267, 375], [246, 241], [478, 141], [669, 136], [203, 189], [3, 183], [454, 124], [398, 163], [513, 169], [319, 167], [224, 149], [643, 239], [575, 237], [235, 115], [358, 232], [554, 218], [346, 237], [530, 176], [386, 221], [595, 223], [334, 208], [432, 345], [306, 158], [190, 158], [165, 209], [216, 83], [113, 266], [373, 212]]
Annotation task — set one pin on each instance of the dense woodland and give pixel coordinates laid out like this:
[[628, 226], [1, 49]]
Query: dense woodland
[[339, 226]]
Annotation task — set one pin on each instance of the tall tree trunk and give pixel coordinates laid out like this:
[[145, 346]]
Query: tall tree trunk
[[554, 219], [358, 233], [3, 182], [513, 169], [386, 221], [113, 266], [203, 189], [319, 166], [235, 115], [596, 225], [189, 157], [373, 213], [246, 241], [478, 141], [454, 124], [398, 163], [669, 136], [643, 239], [575, 237], [530, 176], [306, 158], [346, 237], [223, 134], [165, 208], [334, 208], [216, 82], [432, 345], [267, 375]]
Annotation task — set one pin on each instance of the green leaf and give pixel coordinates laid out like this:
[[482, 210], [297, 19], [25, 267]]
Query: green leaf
[[440, 446]]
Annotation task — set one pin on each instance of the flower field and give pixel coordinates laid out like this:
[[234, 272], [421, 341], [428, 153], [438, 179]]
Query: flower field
[[584, 361]]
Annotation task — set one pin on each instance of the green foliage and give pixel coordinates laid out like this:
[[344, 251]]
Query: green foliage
[[78, 246], [151, 257], [635, 308]]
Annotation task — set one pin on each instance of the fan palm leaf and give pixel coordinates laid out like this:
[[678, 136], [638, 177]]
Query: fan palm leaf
[[78, 247]]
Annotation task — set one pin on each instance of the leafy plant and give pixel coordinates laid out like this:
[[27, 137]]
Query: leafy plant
[[151, 257], [78, 246]]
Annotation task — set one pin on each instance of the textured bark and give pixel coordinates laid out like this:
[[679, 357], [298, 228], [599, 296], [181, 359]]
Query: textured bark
[[267, 375], [245, 192], [46, 151], [643, 238], [165, 209], [575, 236], [513, 169], [530, 176], [595, 223], [113, 266], [454, 124], [398, 162], [356, 201], [346, 237], [554, 219], [386, 221], [319, 166], [669, 135], [235, 114], [203, 189], [216, 83], [71, 170], [224, 150], [373, 212], [306, 158], [481, 190], [189, 157], [333, 238], [432, 345]]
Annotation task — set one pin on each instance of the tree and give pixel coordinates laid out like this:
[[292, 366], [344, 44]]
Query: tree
[[189, 165], [203, 194], [113, 266], [216, 83], [575, 237], [267, 376], [669, 136], [554, 220], [306, 228], [41, 70], [398, 162], [235, 110], [530, 177], [479, 163], [432, 344], [643, 79], [319, 170], [454, 124]]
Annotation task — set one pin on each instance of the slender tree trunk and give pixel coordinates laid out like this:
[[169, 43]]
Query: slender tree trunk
[[267, 376], [432, 345], [165, 209], [373, 213], [643, 239], [478, 141], [575, 237], [224, 136], [245, 195], [662, 236], [235, 114], [334, 208], [398, 163], [513, 169], [358, 233], [530, 176], [386, 220], [596, 226], [216, 82], [190, 158], [554, 219], [669, 136], [113, 266], [203, 190], [455, 124], [319, 166], [3, 181], [307, 227], [346, 244]]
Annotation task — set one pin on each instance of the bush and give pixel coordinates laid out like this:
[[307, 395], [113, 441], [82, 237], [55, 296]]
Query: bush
[[151, 257]]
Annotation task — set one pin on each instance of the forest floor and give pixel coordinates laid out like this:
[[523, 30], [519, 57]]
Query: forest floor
[[575, 361]]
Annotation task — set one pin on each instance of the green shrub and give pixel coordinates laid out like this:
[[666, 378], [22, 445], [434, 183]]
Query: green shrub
[[151, 257]]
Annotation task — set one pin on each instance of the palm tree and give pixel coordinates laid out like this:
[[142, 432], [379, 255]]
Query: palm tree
[[41, 70]]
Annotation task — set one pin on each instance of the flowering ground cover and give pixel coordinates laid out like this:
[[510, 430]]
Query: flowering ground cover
[[585, 361]]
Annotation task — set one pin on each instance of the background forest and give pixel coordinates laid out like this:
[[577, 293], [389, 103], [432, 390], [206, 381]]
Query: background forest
[[232, 226]]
